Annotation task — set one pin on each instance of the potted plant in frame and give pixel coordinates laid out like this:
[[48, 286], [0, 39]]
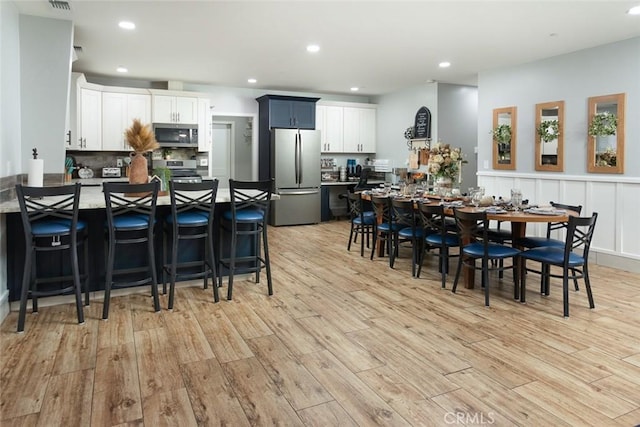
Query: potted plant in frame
[[548, 130]]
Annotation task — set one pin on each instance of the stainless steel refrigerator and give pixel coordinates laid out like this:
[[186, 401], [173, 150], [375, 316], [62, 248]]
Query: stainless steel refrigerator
[[295, 165]]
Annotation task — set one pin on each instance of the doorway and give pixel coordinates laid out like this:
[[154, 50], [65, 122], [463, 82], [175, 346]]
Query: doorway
[[234, 144]]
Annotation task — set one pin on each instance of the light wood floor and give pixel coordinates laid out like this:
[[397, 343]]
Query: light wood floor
[[343, 341]]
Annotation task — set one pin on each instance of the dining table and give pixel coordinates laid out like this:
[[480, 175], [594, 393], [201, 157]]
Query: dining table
[[517, 218]]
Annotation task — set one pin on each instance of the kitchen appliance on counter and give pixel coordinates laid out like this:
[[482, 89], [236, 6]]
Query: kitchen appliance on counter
[[181, 170], [173, 135], [295, 164], [111, 172]]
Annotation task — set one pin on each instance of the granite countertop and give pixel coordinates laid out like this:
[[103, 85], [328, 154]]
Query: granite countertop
[[370, 182], [92, 197]]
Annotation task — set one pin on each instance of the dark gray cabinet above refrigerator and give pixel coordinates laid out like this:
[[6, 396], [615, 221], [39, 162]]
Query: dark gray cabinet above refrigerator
[[281, 112]]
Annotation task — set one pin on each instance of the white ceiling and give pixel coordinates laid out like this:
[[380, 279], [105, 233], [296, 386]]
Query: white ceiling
[[379, 46]]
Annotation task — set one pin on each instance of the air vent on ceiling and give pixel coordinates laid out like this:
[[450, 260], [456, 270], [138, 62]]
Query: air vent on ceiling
[[58, 4], [77, 49]]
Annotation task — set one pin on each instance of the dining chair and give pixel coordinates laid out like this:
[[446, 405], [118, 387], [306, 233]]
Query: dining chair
[[362, 222], [473, 234], [535, 241], [437, 236], [191, 223], [246, 221], [574, 265], [384, 226], [50, 224], [409, 231], [131, 221]]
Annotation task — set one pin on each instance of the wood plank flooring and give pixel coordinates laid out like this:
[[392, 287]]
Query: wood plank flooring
[[343, 341]]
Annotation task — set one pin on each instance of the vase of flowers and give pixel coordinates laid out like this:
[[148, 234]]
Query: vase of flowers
[[548, 130], [445, 164], [142, 140]]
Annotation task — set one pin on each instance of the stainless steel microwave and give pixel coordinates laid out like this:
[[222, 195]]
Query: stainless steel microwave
[[176, 135]]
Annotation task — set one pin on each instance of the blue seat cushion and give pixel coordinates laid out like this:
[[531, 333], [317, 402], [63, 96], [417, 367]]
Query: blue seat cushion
[[408, 233], [55, 226], [366, 220], [190, 218], [476, 250], [246, 215], [385, 227], [133, 221], [535, 242], [436, 239], [552, 255]]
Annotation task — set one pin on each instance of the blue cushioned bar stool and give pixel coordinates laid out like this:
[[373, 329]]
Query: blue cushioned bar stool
[[50, 222], [247, 220], [131, 210], [191, 222]]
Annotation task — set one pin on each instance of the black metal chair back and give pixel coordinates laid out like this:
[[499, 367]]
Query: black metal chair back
[[409, 230], [192, 218], [384, 223], [131, 217], [50, 222], [437, 235]]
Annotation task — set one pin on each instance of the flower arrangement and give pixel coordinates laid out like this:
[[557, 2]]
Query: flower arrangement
[[607, 158], [502, 134], [548, 130], [603, 124], [141, 137], [444, 161]]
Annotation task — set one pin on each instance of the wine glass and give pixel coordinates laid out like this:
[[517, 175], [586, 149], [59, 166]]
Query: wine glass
[[516, 199], [476, 196]]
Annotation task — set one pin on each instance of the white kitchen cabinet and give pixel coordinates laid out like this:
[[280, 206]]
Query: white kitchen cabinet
[[329, 119], [89, 119], [205, 125], [359, 130], [175, 109], [118, 112]]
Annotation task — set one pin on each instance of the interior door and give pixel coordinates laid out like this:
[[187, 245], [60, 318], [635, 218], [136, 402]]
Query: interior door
[[221, 147]]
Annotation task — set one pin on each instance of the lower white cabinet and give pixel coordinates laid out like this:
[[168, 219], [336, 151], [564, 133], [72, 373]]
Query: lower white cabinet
[[118, 112]]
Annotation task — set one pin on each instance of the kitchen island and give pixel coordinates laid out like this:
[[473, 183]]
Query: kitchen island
[[92, 210]]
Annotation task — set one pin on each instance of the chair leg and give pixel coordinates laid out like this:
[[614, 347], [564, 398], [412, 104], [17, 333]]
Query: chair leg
[[523, 279], [267, 260], [232, 261], [363, 231], [458, 269], [173, 271], [587, 284], [108, 280], [444, 260], [350, 237], [516, 285], [24, 292], [85, 251], [212, 266], [375, 239], [152, 267], [75, 269], [565, 293], [485, 280]]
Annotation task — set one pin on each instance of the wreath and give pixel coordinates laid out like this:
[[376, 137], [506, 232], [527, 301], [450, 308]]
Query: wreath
[[502, 134], [603, 124], [548, 130]]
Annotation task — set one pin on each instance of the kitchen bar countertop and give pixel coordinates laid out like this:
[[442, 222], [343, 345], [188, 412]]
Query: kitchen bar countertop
[[92, 197], [336, 183]]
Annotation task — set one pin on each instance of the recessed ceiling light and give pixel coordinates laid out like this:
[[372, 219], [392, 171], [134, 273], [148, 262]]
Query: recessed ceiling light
[[355, 89], [444, 64], [252, 81], [122, 70], [635, 10], [127, 25], [313, 48]]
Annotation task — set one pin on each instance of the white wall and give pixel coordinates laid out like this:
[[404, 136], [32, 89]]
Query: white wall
[[608, 69], [9, 90], [396, 113], [45, 71]]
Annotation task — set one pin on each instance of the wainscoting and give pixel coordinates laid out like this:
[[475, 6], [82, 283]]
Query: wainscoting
[[616, 242]]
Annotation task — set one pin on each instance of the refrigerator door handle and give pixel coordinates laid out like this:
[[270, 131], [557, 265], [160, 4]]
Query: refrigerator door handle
[[300, 154], [296, 160], [297, 192]]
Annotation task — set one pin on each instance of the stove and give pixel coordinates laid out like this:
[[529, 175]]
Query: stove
[[181, 170]]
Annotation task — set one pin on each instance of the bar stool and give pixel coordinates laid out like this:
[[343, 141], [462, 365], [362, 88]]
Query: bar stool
[[191, 221], [247, 219], [50, 222], [131, 210]]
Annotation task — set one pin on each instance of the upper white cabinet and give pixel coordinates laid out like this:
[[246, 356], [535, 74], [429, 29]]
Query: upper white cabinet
[[175, 109], [330, 122], [205, 125], [347, 129], [118, 112], [89, 120]]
